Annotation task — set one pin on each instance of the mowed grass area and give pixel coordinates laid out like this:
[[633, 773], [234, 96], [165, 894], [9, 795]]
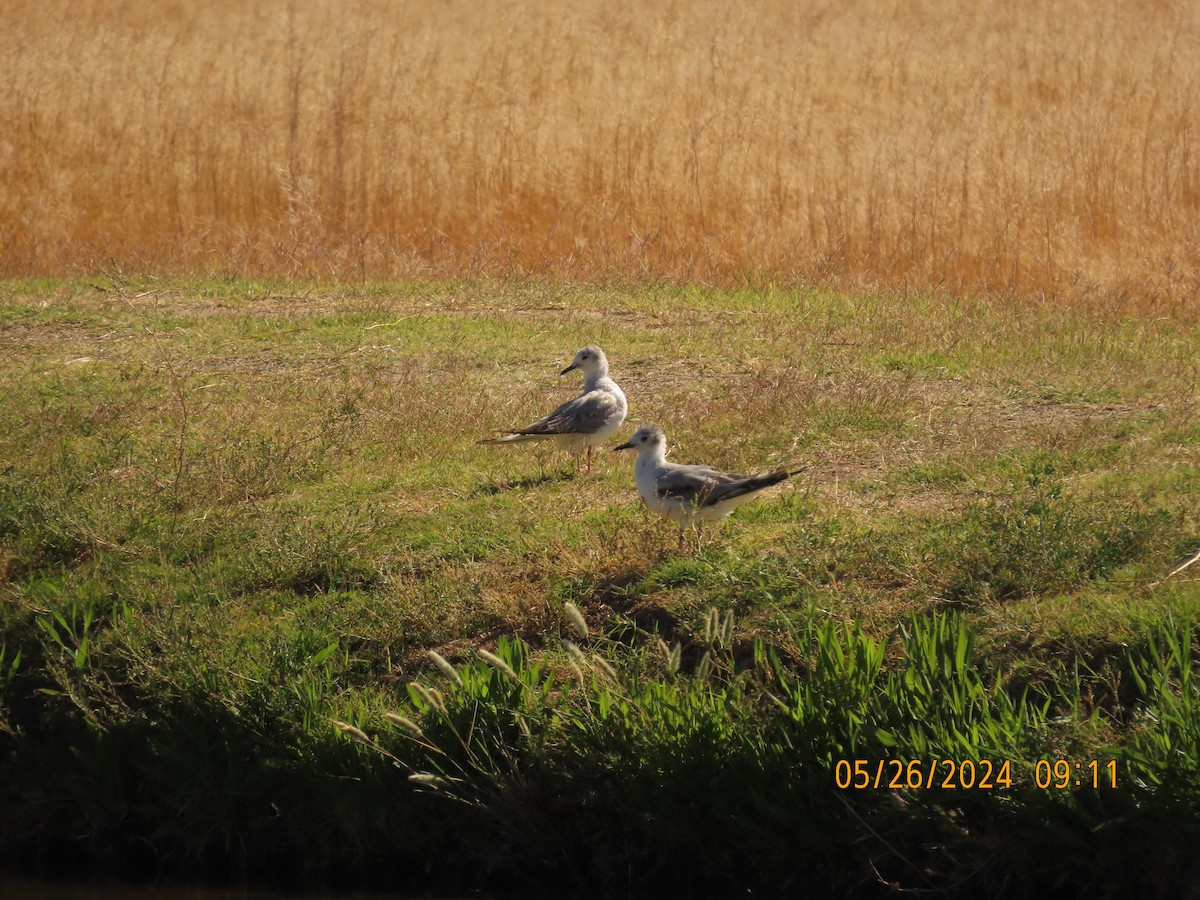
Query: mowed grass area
[[203, 443], [234, 512]]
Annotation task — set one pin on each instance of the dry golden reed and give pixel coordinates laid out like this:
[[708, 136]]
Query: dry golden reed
[[1043, 149]]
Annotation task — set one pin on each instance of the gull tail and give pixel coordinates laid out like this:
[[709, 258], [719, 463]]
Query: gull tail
[[756, 483], [752, 484], [766, 479], [514, 437]]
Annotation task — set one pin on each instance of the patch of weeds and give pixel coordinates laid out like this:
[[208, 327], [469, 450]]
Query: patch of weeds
[[676, 572], [782, 750], [443, 605], [787, 506], [920, 363], [70, 616], [1163, 750], [307, 557], [573, 590], [943, 474], [1040, 540], [42, 526]]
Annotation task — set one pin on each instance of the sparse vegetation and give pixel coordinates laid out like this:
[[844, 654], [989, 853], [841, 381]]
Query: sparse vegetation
[[233, 513]]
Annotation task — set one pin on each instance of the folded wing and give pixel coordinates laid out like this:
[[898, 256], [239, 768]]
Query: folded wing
[[704, 486], [586, 414]]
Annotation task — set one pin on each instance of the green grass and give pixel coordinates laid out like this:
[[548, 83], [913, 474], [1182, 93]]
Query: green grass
[[232, 513]]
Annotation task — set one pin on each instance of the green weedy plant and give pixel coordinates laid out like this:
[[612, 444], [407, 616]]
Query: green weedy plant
[[826, 709], [480, 742], [1163, 756], [576, 768], [314, 684], [69, 626], [639, 758], [72, 617], [720, 773], [845, 712], [1038, 540], [41, 518], [468, 743], [937, 705], [1137, 838]]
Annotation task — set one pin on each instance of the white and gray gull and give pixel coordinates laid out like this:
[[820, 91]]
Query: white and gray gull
[[584, 421], [690, 495]]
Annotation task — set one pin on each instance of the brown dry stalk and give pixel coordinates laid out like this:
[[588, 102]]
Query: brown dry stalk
[[1040, 149]]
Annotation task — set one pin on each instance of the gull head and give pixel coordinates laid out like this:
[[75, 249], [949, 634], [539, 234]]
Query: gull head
[[647, 439], [591, 360]]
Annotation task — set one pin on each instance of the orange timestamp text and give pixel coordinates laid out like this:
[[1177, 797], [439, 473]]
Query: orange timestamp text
[[967, 774]]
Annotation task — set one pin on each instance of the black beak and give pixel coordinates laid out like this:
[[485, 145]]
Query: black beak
[[572, 367], [628, 445]]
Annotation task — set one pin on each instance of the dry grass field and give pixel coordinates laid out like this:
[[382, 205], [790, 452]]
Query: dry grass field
[[1032, 149]]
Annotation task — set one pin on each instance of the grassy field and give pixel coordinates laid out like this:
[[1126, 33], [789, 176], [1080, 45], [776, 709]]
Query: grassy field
[[1026, 148], [273, 269], [233, 513]]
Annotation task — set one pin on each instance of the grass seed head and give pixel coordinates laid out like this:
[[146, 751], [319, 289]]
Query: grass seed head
[[712, 626], [446, 668], [578, 673], [404, 724], [498, 664], [603, 666], [429, 780], [353, 731], [577, 620], [576, 654], [428, 697]]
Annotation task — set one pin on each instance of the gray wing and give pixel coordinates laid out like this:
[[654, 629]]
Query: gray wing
[[691, 484], [586, 414], [705, 486]]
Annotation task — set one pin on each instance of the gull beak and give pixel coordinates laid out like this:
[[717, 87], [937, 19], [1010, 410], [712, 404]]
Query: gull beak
[[628, 445], [571, 368]]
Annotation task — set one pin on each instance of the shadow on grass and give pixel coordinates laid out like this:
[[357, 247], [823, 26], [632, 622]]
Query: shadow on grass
[[491, 489], [624, 594]]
